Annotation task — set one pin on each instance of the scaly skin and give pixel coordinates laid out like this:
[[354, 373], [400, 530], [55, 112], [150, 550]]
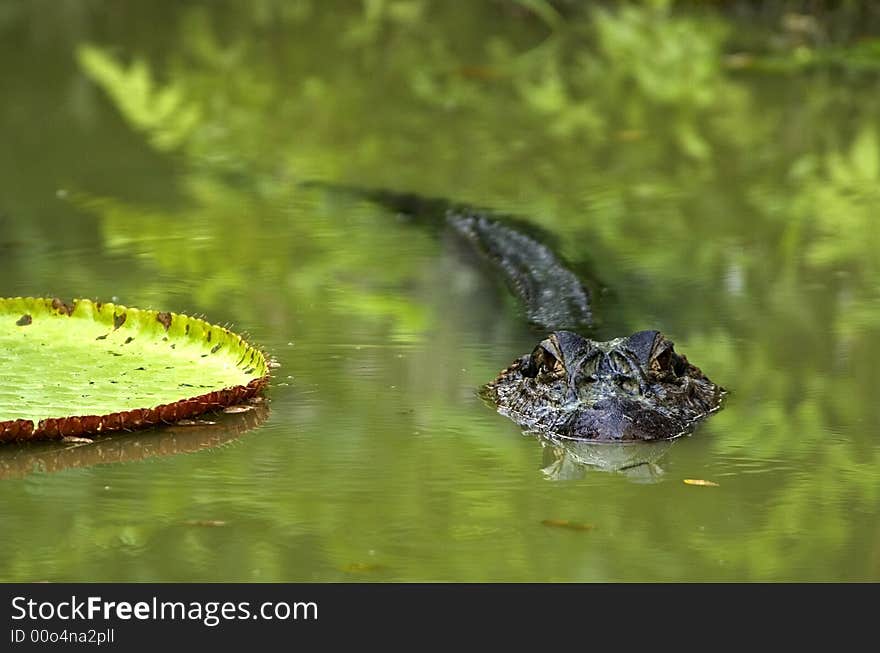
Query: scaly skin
[[629, 389]]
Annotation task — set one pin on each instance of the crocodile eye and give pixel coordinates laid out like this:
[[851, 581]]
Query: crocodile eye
[[543, 362], [668, 361], [663, 360]]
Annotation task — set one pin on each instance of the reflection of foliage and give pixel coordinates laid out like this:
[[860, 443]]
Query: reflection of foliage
[[683, 53], [841, 198], [160, 111], [330, 264], [735, 213]]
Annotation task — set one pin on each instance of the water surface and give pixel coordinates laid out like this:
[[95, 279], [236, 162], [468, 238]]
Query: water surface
[[151, 156]]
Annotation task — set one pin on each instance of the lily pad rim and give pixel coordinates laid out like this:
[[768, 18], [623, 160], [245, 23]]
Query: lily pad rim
[[127, 420]]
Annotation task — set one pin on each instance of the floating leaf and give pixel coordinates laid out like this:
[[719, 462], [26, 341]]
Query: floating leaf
[[570, 525], [87, 367], [701, 482]]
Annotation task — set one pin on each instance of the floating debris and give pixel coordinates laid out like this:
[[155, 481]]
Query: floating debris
[[72, 439], [701, 482]]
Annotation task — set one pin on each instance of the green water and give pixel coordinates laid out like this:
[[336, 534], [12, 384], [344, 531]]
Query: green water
[[149, 155]]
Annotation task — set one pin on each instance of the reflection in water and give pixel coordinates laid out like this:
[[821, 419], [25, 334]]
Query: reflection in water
[[17, 461], [571, 459]]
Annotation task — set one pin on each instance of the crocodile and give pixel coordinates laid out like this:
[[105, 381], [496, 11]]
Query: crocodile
[[634, 388]]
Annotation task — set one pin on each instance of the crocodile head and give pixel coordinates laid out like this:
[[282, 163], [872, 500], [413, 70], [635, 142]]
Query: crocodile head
[[629, 389]]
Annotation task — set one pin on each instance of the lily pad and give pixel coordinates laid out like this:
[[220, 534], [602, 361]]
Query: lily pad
[[90, 367]]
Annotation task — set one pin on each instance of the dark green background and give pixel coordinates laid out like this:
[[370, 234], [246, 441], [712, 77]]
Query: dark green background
[[715, 174]]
